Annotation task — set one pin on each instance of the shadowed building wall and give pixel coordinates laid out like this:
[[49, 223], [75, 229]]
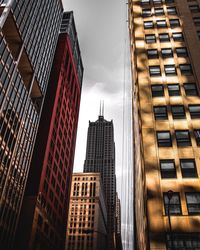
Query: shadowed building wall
[[28, 37], [43, 220], [165, 52]]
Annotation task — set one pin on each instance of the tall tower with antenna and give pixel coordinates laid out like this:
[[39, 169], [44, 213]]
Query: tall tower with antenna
[[100, 157]]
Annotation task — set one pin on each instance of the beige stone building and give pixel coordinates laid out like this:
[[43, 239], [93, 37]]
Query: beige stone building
[[87, 221], [165, 55]]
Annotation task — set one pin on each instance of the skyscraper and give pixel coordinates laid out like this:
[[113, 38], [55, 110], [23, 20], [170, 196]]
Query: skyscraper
[[28, 37], [118, 238], [43, 219], [100, 157], [165, 52], [87, 224]]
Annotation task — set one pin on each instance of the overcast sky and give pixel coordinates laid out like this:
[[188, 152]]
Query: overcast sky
[[102, 32]]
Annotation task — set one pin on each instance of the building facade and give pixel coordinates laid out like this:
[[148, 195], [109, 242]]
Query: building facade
[[87, 223], [165, 52], [118, 237], [100, 157], [43, 219], [28, 40]]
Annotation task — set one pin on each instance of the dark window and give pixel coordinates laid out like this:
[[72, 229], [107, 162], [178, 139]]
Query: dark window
[[187, 241], [148, 25], [157, 90], [160, 112], [190, 89], [143, 2], [164, 139], [167, 53], [170, 70], [198, 33], [172, 206], [178, 36], [188, 168], [161, 24], [173, 89], [169, 1], [150, 38], [146, 12], [186, 69], [194, 111], [183, 138], [193, 202], [194, 8], [171, 11], [196, 21], [197, 136], [159, 12], [181, 52], [174, 23], [154, 71], [164, 37], [152, 53], [178, 111], [167, 168]]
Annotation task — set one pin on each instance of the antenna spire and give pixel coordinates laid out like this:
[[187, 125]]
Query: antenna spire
[[103, 109], [100, 109]]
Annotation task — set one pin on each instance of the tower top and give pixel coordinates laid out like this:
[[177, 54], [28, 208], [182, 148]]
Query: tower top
[[101, 108]]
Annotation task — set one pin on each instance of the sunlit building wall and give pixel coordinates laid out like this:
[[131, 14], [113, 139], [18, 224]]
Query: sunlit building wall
[[43, 220], [28, 37], [165, 52], [87, 223]]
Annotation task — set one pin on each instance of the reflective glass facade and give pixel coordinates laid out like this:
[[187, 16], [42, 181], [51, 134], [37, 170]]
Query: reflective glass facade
[[27, 44]]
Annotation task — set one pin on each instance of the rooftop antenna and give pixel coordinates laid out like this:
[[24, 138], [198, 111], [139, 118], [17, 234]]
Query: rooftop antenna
[[100, 109], [103, 109]]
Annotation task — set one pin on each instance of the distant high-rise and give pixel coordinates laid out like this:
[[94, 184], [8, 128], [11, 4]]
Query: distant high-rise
[[165, 53], [118, 238], [100, 157], [87, 223], [28, 37], [43, 219]]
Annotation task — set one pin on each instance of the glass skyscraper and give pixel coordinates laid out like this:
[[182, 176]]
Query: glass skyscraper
[[28, 38]]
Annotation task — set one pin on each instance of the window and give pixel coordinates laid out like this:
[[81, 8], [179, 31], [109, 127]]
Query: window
[[188, 168], [186, 69], [157, 1], [169, 1], [193, 202], [152, 53], [154, 71], [164, 37], [161, 24], [157, 90], [172, 206], [164, 139], [167, 168], [173, 89], [160, 112], [198, 34], [190, 89], [181, 52], [174, 23], [187, 241], [183, 138], [170, 70], [159, 11], [178, 36], [143, 2], [146, 12], [167, 53], [194, 111], [196, 21], [194, 8], [148, 25], [171, 11], [197, 136], [178, 111], [150, 39]]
